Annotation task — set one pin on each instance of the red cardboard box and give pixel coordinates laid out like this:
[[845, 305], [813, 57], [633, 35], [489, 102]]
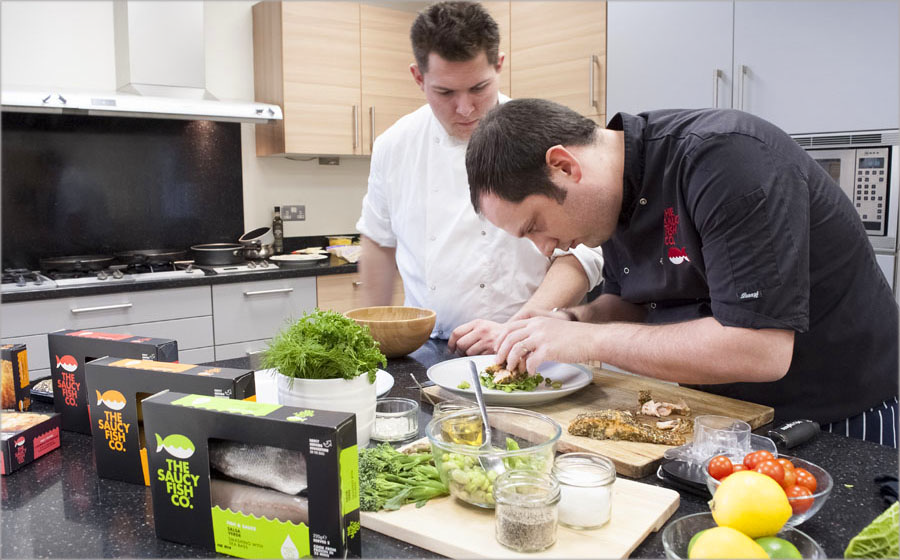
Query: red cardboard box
[[14, 384], [26, 436], [70, 350]]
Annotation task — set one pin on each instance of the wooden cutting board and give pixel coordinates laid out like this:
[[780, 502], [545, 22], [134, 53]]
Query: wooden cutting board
[[620, 391], [453, 528]]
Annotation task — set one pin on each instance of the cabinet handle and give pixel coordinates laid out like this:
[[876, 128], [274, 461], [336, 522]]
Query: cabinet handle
[[716, 75], [253, 352], [357, 284], [372, 125], [593, 60], [743, 72], [102, 308], [263, 292], [355, 126]]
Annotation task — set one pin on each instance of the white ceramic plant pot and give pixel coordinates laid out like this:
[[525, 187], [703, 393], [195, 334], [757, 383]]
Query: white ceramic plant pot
[[355, 395]]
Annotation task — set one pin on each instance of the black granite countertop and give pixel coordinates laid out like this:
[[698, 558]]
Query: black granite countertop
[[58, 507], [323, 269]]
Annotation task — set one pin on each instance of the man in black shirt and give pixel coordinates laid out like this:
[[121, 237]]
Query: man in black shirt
[[733, 261]]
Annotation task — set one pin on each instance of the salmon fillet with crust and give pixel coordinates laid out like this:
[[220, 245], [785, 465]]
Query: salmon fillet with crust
[[502, 375], [621, 425]]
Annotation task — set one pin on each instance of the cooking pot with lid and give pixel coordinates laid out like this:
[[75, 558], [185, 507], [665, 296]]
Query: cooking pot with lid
[[218, 254], [257, 243]]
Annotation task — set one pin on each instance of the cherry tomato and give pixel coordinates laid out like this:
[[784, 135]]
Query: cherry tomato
[[771, 469], [805, 478], [785, 464], [790, 478], [739, 467], [800, 498], [719, 467], [757, 457]]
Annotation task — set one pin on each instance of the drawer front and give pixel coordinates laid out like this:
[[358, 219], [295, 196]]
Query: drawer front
[[195, 332], [257, 310], [251, 349], [108, 310], [342, 292], [197, 355]]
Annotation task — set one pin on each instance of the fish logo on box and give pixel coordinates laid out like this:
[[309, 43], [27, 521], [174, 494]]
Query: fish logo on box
[[180, 483], [114, 428], [67, 362]]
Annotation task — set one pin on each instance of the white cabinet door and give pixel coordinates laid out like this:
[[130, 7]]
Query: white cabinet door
[[819, 66], [257, 310], [668, 55]]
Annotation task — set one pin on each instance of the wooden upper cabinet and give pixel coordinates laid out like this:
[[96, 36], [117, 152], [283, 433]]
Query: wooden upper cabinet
[[306, 59], [388, 88], [561, 59], [342, 292]]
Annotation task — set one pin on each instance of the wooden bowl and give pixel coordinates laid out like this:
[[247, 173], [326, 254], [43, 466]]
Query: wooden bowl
[[399, 330]]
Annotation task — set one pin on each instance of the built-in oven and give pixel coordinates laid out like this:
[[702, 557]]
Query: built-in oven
[[864, 164]]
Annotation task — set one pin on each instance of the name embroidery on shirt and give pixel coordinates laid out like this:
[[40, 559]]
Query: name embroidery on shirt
[[670, 227]]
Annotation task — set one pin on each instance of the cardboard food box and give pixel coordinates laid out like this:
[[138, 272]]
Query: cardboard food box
[[70, 350], [14, 384], [116, 387], [26, 436], [187, 508]]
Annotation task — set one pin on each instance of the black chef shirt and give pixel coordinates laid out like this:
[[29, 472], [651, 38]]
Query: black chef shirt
[[724, 215]]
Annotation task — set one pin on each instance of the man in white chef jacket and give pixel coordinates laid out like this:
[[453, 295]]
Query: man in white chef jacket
[[417, 218]]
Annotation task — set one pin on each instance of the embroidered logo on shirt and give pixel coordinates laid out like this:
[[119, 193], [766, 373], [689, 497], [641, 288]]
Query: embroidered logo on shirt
[[670, 227], [750, 295]]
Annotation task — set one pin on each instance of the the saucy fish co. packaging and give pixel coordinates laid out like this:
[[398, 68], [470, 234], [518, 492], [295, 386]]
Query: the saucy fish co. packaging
[[70, 350], [25, 437], [204, 477]]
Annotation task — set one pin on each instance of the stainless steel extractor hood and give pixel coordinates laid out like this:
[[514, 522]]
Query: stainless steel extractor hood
[[160, 72]]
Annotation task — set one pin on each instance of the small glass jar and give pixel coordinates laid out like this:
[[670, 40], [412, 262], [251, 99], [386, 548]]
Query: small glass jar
[[396, 419], [585, 484], [444, 408], [525, 512]]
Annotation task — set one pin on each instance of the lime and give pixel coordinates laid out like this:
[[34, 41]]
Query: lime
[[752, 503], [694, 539], [778, 548], [725, 542]]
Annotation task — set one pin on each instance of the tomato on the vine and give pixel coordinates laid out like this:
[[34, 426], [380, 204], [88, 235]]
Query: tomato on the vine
[[719, 467], [785, 463], [806, 478], [739, 467], [757, 457], [771, 469], [790, 478], [800, 498]]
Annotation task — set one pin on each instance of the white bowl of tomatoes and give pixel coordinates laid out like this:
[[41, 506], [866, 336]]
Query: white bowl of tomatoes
[[806, 484]]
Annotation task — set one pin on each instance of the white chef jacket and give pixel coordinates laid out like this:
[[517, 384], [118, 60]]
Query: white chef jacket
[[451, 260]]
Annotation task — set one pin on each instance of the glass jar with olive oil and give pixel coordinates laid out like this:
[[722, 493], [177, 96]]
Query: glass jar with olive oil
[[465, 429]]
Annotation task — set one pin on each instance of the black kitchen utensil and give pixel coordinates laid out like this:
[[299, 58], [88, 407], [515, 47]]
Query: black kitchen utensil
[[682, 475], [793, 433], [151, 257], [218, 254], [76, 263]]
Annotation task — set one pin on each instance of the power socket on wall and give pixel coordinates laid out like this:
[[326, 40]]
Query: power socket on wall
[[293, 213]]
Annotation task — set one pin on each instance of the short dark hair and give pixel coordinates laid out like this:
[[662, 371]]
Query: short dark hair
[[506, 155], [456, 31]]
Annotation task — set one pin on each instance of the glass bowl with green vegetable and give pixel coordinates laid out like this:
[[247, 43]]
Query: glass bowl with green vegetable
[[521, 438]]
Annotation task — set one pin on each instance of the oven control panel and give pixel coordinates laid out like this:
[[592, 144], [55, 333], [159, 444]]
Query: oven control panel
[[870, 194]]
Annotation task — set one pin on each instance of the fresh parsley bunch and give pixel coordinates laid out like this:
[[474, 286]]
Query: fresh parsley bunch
[[324, 345]]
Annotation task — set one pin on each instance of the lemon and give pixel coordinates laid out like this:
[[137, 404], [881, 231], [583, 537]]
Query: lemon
[[752, 503], [779, 548], [694, 540], [725, 542]]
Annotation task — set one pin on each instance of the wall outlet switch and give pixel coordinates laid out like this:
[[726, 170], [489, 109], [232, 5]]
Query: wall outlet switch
[[293, 213]]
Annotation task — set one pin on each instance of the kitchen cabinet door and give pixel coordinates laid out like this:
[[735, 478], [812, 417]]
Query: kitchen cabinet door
[[247, 311], [388, 88], [306, 58], [341, 292], [818, 66], [558, 52], [667, 55]]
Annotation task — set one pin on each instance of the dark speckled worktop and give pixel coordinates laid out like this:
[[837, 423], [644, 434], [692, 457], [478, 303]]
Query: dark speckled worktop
[[58, 507], [200, 280]]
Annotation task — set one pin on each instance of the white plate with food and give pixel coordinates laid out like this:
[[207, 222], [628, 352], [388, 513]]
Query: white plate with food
[[565, 379], [267, 389]]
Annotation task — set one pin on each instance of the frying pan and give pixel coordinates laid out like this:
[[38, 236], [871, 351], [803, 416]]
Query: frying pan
[[150, 256], [76, 263], [218, 254]]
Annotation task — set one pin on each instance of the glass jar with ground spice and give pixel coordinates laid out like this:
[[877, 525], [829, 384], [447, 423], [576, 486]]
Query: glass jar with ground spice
[[525, 514], [585, 485]]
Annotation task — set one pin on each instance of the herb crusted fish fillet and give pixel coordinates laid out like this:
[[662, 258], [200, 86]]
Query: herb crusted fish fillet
[[622, 426]]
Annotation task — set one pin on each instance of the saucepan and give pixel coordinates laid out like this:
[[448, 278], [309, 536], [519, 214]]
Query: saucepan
[[218, 254]]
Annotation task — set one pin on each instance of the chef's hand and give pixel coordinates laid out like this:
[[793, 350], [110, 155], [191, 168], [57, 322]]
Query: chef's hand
[[531, 342], [476, 337]]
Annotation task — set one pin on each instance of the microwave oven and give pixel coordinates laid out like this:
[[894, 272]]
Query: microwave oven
[[863, 164]]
